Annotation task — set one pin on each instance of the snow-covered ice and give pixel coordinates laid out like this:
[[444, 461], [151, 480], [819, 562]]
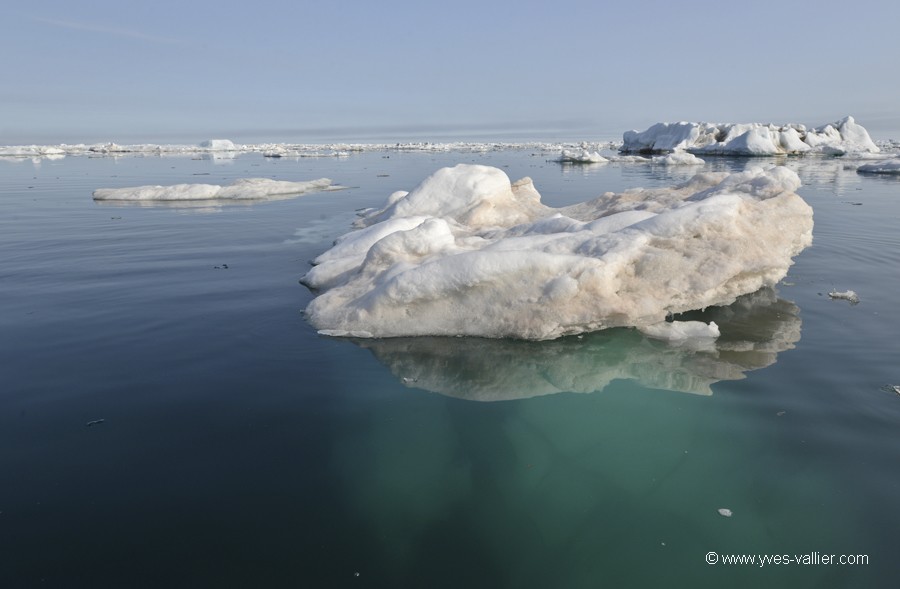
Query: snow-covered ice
[[242, 189], [882, 167], [755, 139], [469, 253]]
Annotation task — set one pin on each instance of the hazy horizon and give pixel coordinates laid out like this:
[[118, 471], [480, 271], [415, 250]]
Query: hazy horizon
[[401, 70]]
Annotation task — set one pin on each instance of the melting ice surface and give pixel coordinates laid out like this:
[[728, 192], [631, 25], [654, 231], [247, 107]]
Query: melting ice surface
[[469, 253], [241, 189]]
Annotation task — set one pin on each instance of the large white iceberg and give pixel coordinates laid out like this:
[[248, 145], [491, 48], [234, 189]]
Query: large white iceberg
[[469, 253], [241, 189], [843, 136]]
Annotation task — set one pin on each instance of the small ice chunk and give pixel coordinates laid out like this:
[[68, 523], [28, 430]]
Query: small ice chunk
[[582, 156], [725, 512], [677, 158], [847, 295]]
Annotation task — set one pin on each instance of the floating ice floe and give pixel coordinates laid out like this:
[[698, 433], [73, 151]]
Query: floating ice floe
[[883, 167], [25, 151], [582, 156], [469, 253], [755, 139], [242, 189], [678, 158]]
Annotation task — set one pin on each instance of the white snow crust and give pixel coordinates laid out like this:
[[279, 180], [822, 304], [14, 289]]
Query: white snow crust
[[469, 253], [242, 189], [753, 139]]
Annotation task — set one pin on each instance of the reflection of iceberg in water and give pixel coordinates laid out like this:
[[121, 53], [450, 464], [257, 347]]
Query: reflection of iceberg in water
[[754, 330]]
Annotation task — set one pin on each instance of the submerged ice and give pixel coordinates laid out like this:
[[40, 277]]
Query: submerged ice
[[469, 253], [241, 189], [755, 329]]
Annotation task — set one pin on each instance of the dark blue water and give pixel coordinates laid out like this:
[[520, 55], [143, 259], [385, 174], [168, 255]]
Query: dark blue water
[[238, 448]]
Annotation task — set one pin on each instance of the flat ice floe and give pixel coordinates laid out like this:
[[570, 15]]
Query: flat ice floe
[[242, 189], [755, 139], [883, 167], [469, 253]]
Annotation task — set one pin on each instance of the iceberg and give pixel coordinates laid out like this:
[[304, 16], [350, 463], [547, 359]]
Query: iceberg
[[469, 253], [242, 189], [885, 167], [753, 139]]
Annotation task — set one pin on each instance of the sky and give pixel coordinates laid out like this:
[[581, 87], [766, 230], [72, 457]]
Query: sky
[[301, 71]]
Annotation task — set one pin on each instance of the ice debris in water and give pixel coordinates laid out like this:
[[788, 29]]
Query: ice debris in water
[[725, 512], [847, 295], [469, 253], [582, 156], [241, 189]]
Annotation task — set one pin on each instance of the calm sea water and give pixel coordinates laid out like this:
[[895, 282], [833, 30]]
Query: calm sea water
[[238, 448]]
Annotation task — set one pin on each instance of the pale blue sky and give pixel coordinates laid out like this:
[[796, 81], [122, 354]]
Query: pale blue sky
[[395, 70]]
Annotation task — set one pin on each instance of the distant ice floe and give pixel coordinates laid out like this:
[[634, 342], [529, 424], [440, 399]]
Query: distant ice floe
[[222, 147], [883, 167], [469, 253], [242, 189], [753, 139]]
